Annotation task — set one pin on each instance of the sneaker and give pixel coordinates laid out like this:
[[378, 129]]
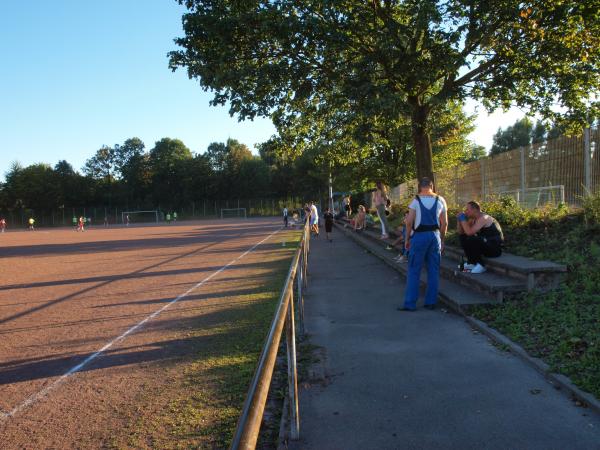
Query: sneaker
[[478, 268], [389, 247], [384, 236], [469, 266], [400, 259]]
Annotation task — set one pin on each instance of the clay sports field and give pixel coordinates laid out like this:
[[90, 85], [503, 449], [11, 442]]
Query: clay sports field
[[137, 337]]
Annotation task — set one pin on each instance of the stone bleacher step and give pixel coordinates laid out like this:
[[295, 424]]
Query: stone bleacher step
[[506, 274], [454, 295], [488, 283], [542, 275]]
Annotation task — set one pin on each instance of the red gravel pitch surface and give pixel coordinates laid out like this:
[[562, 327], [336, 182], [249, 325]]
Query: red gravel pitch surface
[[65, 295]]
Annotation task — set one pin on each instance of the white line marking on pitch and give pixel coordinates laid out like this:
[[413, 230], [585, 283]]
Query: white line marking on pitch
[[41, 394]]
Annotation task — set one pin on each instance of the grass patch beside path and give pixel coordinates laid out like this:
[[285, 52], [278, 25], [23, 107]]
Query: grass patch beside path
[[201, 407], [563, 326]]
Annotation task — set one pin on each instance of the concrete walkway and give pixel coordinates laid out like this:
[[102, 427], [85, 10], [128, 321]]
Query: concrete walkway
[[423, 380]]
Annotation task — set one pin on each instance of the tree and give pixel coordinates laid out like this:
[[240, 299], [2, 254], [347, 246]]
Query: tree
[[131, 150], [519, 134], [408, 58], [167, 161], [539, 132], [252, 179], [33, 187], [474, 153], [226, 160], [101, 166]]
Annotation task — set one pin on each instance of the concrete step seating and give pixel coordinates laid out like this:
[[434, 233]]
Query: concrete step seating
[[506, 274]]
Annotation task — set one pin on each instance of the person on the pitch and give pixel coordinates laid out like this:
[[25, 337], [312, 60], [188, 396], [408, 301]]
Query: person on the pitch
[[2, 224], [80, 224], [285, 216], [428, 218]]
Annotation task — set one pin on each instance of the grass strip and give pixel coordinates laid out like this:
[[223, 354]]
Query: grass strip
[[201, 405]]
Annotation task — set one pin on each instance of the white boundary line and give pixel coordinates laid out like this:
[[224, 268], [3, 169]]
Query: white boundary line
[[41, 394]]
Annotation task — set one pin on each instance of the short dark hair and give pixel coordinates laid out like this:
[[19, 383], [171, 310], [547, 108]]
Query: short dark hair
[[425, 182], [473, 204]]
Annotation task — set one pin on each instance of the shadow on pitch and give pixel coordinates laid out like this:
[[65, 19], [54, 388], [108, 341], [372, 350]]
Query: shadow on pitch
[[105, 282], [235, 320]]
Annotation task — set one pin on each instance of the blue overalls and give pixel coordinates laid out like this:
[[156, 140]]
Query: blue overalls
[[425, 246]]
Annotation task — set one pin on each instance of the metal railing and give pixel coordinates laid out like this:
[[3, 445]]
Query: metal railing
[[248, 427]]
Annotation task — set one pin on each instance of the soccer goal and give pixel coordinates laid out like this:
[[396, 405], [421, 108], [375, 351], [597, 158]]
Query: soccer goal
[[538, 196], [128, 217], [229, 213]]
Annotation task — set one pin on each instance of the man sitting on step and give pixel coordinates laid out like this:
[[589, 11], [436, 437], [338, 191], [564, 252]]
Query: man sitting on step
[[480, 235]]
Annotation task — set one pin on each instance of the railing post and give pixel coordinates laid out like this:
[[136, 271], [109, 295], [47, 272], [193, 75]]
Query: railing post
[[522, 173], [292, 370], [299, 277], [587, 155], [305, 264]]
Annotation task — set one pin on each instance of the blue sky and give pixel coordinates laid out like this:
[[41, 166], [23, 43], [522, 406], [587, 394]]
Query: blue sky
[[78, 75]]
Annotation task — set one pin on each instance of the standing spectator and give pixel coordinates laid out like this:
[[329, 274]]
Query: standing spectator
[[2, 224], [126, 220], [306, 211], [328, 216], [169, 218], [285, 216], [106, 221], [480, 235], [75, 223], [428, 219], [174, 216], [380, 199], [31, 222], [348, 205], [314, 219]]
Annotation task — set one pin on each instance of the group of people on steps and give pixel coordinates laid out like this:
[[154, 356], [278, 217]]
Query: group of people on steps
[[423, 235]]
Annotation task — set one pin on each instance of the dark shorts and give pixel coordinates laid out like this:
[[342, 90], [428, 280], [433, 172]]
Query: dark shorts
[[328, 226]]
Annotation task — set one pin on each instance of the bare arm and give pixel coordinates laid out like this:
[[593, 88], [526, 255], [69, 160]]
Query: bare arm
[[443, 226], [472, 228], [410, 220]]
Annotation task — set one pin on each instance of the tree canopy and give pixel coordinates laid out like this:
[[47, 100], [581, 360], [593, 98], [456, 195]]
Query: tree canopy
[[398, 60]]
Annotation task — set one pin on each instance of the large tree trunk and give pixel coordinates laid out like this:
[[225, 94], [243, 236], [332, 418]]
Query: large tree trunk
[[422, 141]]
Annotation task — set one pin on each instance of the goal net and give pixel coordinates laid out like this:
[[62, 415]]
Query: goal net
[[538, 196], [140, 217], [228, 213]]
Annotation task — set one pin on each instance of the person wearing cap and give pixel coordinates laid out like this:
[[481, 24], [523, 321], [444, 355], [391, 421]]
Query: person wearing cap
[[428, 220]]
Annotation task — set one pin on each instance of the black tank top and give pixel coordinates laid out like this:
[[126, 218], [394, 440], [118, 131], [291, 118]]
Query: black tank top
[[492, 232]]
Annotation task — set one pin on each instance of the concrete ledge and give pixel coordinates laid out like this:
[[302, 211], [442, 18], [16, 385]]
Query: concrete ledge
[[558, 380]]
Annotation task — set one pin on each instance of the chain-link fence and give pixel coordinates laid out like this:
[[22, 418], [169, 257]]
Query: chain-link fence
[[561, 170], [96, 215]]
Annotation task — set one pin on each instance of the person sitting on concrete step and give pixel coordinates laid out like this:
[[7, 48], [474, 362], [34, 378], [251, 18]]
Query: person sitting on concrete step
[[360, 220], [480, 235]]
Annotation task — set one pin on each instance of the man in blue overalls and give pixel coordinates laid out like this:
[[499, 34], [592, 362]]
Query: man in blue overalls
[[428, 220]]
